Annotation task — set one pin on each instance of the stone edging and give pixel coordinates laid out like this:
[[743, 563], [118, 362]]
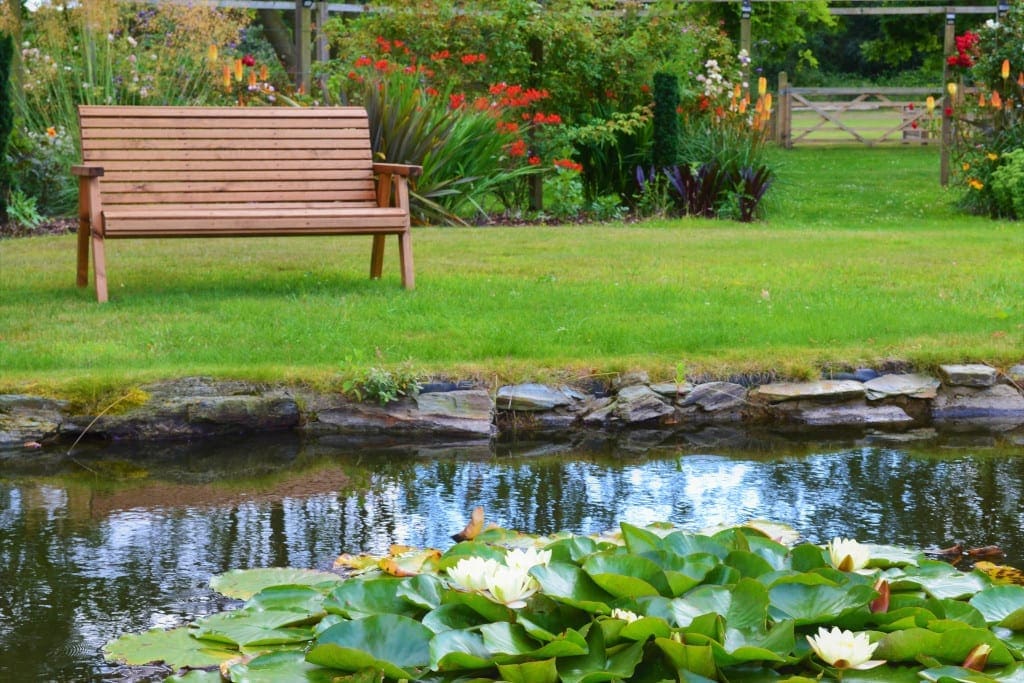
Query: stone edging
[[195, 407]]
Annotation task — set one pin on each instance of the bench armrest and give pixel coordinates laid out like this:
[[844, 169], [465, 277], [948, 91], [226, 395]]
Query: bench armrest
[[406, 170], [87, 171]]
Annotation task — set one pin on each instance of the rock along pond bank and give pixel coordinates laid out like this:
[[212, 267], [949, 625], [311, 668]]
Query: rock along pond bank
[[960, 396]]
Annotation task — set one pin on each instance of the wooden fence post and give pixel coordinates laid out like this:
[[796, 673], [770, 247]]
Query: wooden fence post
[[783, 113], [303, 45], [949, 44]]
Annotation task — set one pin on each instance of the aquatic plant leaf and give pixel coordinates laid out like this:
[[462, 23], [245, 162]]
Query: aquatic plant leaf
[[358, 598], [885, 556], [688, 544], [1002, 605], [816, 604], [466, 549], [1001, 573], [599, 664], [390, 643], [423, 590], [890, 673], [503, 638], [453, 616], [626, 576], [485, 607], [543, 671], [251, 627], [275, 667], [940, 580], [645, 628], [698, 659], [292, 598], [569, 584], [807, 556], [748, 564], [176, 648], [951, 646], [245, 583], [573, 549], [640, 541], [196, 676], [459, 650]]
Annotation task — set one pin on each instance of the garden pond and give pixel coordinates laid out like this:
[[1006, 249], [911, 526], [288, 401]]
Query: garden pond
[[108, 540]]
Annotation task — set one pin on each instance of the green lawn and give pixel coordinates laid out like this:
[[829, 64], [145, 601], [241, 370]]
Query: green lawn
[[861, 259]]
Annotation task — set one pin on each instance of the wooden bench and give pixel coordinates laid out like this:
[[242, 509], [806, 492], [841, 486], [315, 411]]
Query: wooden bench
[[235, 172]]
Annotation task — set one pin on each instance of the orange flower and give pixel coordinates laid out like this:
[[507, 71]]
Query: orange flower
[[1020, 79], [1006, 69], [211, 53], [51, 132], [981, 99], [238, 70], [517, 148], [227, 77], [252, 80], [996, 100], [264, 73]]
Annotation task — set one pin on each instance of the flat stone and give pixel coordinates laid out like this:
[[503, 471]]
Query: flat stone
[[673, 390], [858, 375], [638, 403], [1000, 403], [631, 378], [852, 415], [29, 418], [472, 404], [1016, 373], [528, 397], [915, 386], [824, 390], [973, 375], [716, 396], [399, 418], [599, 412]]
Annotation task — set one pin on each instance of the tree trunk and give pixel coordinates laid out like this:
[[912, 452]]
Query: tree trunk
[[279, 34]]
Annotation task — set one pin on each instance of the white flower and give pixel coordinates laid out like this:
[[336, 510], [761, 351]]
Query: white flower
[[625, 615], [844, 649], [524, 559], [471, 573], [132, 41], [511, 587], [848, 555]]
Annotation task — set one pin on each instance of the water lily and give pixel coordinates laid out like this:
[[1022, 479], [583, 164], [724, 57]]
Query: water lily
[[844, 649], [525, 558], [625, 615], [977, 658], [471, 573], [848, 555], [881, 603], [510, 586]]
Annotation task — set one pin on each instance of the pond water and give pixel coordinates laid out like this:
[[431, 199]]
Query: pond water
[[113, 540]]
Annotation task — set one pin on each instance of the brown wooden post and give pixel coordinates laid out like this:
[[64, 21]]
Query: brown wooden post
[[745, 13], [783, 125], [948, 45], [303, 45]]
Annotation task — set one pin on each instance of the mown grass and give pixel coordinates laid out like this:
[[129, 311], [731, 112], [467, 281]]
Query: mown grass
[[861, 259]]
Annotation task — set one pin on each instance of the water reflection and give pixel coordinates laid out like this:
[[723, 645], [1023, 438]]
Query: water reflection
[[84, 557]]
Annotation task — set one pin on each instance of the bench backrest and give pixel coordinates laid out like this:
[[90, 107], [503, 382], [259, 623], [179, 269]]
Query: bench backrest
[[205, 156]]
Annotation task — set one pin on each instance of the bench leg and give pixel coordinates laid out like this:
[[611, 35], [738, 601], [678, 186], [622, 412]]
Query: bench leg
[[83, 252], [377, 257], [405, 256], [99, 265]]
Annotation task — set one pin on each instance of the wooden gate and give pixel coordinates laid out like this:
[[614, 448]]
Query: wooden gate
[[862, 116]]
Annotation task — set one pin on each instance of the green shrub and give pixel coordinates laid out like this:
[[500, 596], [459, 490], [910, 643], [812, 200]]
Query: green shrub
[[6, 115], [1008, 185]]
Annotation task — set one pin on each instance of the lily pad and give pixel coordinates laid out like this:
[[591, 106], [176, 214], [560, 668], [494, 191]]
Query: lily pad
[[390, 643], [952, 646], [459, 650], [245, 583], [250, 627], [626, 576], [1002, 605], [810, 604], [543, 671], [280, 666], [569, 584], [359, 598], [176, 648]]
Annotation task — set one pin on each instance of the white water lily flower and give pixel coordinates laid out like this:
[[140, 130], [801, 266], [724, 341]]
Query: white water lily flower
[[525, 558], [848, 555], [510, 586], [472, 573], [844, 649], [625, 615]]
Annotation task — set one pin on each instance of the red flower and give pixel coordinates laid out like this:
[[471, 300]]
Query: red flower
[[481, 104], [569, 164], [533, 161], [703, 103], [363, 61], [948, 111], [456, 101], [910, 106], [517, 148], [644, 88], [382, 65], [431, 91], [249, 60], [384, 45], [913, 124], [440, 56], [497, 88]]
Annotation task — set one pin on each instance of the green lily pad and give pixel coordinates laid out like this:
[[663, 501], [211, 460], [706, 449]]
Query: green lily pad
[[503, 638], [626, 576], [453, 616], [940, 580], [280, 666], [640, 541], [952, 646], [250, 627], [245, 583], [816, 604], [598, 664], [1002, 605], [358, 598], [697, 659], [176, 648], [569, 584], [542, 671], [390, 643], [573, 549], [459, 650], [290, 598], [689, 544]]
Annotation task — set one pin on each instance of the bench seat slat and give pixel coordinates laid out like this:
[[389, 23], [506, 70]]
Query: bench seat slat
[[253, 198], [252, 135], [271, 157], [231, 185], [102, 126], [142, 114], [223, 143]]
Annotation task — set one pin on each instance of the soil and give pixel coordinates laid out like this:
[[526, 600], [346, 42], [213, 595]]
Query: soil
[[52, 226]]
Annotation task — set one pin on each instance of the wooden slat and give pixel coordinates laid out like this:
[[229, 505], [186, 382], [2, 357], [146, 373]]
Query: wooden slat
[[230, 185], [119, 198], [222, 143], [326, 135], [235, 156], [219, 122], [274, 113], [161, 174]]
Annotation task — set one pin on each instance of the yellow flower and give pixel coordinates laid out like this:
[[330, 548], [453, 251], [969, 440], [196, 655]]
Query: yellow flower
[[930, 104], [762, 85], [211, 53], [239, 70], [951, 89], [1006, 69], [848, 555], [981, 99], [264, 72], [844, 649], [227, 77], [992, 156], [965, 166], [975, 184]]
